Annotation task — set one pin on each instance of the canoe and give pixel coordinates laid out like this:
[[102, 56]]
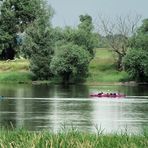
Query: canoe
[[108, 95]]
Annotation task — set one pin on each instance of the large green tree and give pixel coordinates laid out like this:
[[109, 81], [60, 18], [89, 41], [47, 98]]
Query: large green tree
[[83, 35], [136, 60], [15, 17], [70, 63], [74, 49], [140, 38], [38, 44]]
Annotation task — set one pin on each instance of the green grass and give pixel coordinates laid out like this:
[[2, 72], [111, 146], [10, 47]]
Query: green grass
[[70, 139], [15, 71], [102, 68], [15, 77], [14, 65]]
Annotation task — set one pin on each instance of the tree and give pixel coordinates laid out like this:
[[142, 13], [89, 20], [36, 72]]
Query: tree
[[38, 44], [70, 61], [140, 39], [136, 60], [82, 36], [15, 17], [136, 63], [85, 36], [117, 34]]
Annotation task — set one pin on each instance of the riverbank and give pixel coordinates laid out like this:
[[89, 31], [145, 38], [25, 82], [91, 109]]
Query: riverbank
[[101, 70], [72, 138]]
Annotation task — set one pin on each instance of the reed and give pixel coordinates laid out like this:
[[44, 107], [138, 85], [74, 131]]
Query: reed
[[70, 139]]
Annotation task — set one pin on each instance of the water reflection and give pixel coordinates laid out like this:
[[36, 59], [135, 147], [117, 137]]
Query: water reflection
[[38, 107], [44, 91], [35, 114]]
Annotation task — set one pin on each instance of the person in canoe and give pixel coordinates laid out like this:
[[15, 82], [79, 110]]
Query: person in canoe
[[100, 93]]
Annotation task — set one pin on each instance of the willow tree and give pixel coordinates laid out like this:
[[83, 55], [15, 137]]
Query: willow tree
[[70, 63]]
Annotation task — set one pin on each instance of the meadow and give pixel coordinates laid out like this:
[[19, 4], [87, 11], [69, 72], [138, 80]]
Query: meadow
[[103, 69]]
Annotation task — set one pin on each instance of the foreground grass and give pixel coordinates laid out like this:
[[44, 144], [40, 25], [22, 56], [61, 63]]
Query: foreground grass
[[101, 68], [70, 139]]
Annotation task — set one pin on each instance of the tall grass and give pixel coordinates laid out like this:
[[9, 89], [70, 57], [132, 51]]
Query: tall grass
[[14, 65], [15, 71], [69, 139], [15, 77]]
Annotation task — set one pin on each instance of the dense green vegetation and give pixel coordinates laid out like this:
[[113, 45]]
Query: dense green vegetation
[[70, 64], [33, 37], [38, 45], [101, 69], [15, 17], [136, 60], [71, 138], [68, 54]]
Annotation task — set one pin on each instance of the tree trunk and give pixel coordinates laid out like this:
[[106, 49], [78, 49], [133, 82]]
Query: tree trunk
[[119, 62], [66, 77], [8, 53]]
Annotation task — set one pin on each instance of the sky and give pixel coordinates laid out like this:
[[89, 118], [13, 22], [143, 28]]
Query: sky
[[67, 12]]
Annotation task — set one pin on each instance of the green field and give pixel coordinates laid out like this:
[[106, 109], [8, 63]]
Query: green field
[[20, 138], [101, 69]]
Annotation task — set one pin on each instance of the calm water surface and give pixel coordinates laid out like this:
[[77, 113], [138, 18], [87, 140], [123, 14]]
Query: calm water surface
[[38, 107]]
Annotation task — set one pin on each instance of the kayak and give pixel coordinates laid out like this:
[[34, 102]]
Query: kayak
[[108, 95]]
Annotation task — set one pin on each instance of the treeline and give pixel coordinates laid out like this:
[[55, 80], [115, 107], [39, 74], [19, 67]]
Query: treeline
[[65, 53], [26, 30]]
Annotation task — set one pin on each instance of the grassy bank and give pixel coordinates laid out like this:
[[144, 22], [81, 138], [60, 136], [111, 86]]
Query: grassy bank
[[101, 68], [70, 139], [16, 71]]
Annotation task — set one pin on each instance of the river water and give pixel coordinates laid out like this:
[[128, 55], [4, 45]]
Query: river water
[[54, 107]]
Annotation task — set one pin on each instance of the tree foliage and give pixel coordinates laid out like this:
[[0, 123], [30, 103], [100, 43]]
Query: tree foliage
[[15, 17], [136, 60], [136, 63], [38, 44], [140, 39], [70, 61], [85, 36], [82, 36], [74, 50]]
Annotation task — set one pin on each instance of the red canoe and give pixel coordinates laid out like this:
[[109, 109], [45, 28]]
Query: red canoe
[[108, 95]]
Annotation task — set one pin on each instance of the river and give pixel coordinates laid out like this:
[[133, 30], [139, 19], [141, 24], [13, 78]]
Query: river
[[54, 107]]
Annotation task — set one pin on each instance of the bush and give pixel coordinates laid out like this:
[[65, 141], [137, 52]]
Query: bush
[[70, 62], [136, 63]]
